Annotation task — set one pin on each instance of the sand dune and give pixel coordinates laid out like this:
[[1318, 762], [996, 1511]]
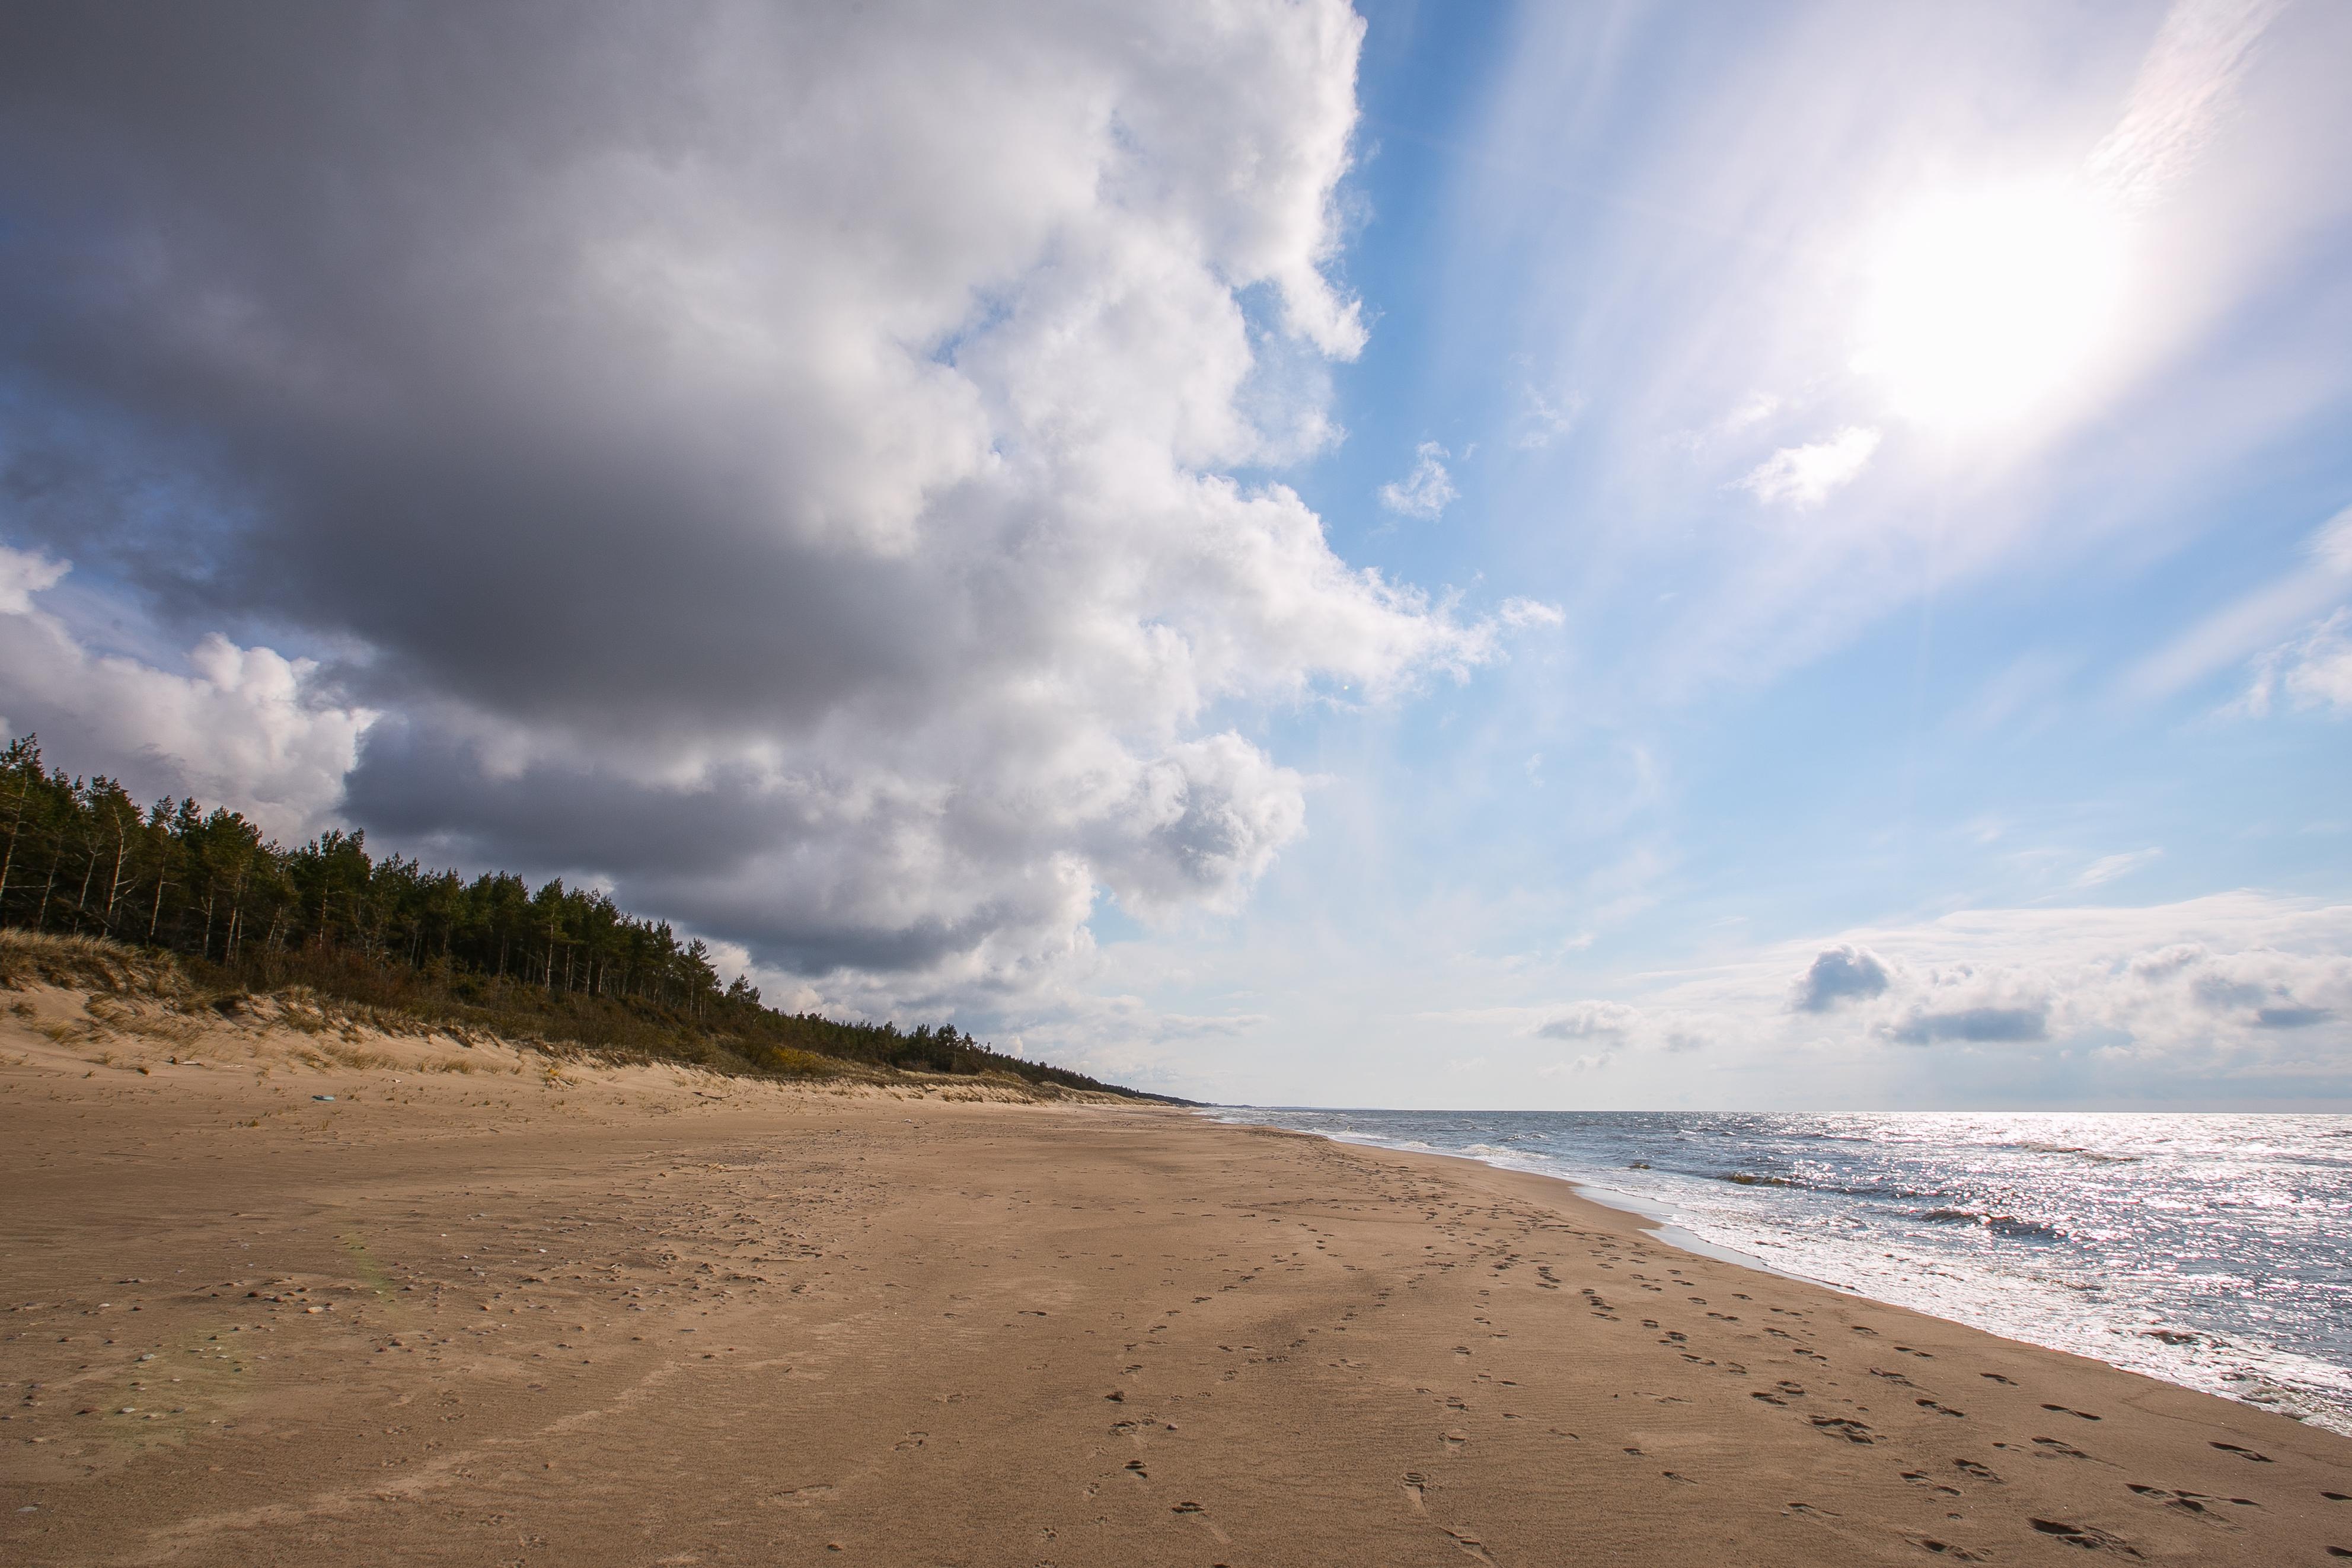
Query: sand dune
[[474, 1309]]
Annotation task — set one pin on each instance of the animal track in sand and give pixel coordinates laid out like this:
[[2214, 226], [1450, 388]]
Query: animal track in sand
[[2089, 1537]]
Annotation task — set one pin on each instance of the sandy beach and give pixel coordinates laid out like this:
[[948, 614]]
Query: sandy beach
[[483, 1308]]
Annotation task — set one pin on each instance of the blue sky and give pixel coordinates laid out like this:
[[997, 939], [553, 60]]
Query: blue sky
[[1967, 726], [1858, 497]]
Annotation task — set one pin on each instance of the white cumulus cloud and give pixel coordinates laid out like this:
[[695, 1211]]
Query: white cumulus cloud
[[246, 727], [792, 483]]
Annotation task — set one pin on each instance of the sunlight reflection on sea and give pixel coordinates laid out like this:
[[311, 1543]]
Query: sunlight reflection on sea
[[2213, 1251]]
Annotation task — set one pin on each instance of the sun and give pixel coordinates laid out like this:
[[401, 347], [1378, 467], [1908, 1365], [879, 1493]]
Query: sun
[[1984, 307]]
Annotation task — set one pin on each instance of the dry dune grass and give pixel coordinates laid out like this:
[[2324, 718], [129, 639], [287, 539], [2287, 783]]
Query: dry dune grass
[[87, 963], [114, 1006]]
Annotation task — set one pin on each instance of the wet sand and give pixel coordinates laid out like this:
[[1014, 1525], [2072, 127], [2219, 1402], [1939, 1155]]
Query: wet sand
[[639, 1317]]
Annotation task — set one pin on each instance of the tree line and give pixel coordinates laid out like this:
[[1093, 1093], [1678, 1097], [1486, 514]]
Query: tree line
[[82, 856]]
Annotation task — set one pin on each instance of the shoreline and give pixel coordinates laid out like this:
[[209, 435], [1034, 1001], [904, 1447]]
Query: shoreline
[[1653, 1219], [2319, 1401], [630, 1316]]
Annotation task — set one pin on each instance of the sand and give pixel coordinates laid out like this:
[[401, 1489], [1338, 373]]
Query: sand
[[643, 1317]]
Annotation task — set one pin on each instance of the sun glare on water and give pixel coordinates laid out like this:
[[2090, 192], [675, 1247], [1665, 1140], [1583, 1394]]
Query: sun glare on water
[[1984, 307]]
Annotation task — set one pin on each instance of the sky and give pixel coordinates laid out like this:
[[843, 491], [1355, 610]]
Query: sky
[[1547, 556]]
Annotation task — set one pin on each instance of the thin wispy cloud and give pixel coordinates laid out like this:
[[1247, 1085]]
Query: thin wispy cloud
[[2184, 88], [2110, 868], [2261, 617], [1426, 490], [2312, 671], [1808, 475]]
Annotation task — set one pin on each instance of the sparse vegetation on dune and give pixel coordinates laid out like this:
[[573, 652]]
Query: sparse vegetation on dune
[[142, 995], [195, 908]]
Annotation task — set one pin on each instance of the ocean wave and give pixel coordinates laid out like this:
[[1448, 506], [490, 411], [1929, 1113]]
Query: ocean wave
[[2009, 1225], [2101, 1155]]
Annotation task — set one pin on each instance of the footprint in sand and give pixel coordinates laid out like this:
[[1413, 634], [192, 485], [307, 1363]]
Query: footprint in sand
[[2246, 1454], [1940, 1409], [1841, 1426], [1945, 1548], [2196, 1504], [1470, 1545], [1919, 1477], [1416, 1486], [2052, 1446], [2063, 1410], [1194, 1510], [2089, 1537], [1455, 1441], [1982, 1472], [1996, 1377]]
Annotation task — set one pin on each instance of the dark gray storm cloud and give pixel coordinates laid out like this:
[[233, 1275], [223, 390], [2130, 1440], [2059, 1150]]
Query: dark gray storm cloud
[[1839, 974], [1981, 1025], [770, 457]]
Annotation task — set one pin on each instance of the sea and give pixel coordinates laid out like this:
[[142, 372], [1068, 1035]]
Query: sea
[[2213, 1251]]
